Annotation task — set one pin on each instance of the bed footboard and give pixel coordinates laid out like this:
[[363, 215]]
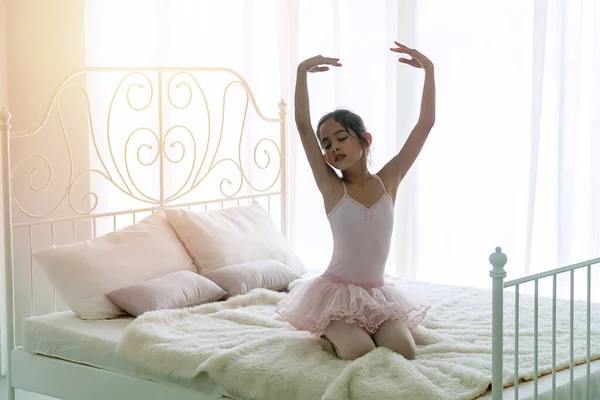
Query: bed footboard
[[498, 274]]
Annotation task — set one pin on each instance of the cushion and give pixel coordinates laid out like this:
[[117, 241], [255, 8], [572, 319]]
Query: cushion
[[236, 235], [242, 278], [83, 272], [175, 290]]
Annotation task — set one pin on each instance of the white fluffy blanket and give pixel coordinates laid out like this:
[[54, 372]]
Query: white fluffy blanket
[[252, 352]]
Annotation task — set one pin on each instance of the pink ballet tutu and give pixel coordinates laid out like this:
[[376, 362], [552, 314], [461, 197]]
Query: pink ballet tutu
[[313, 305]]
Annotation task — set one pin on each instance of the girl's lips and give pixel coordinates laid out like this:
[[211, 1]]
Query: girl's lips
[[339, 157]]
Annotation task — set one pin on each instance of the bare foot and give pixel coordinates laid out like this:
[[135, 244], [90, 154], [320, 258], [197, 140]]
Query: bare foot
[[327, 345]]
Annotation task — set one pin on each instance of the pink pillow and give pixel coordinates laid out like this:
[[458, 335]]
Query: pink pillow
[[176, 290], [242, 278]]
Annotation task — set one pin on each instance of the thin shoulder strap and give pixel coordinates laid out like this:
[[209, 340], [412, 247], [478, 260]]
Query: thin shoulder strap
[[344, 186], [381, 182]]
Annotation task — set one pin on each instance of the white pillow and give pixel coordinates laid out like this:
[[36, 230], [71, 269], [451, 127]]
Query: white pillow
[[236, 235], [83, 272]]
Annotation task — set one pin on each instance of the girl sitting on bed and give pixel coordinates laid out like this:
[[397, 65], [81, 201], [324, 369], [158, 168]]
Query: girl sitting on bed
[[350, 304]]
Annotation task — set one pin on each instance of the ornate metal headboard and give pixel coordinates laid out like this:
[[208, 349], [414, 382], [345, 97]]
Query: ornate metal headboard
[[118, 144]]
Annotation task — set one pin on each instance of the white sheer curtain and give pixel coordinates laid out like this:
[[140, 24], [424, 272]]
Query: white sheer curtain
[[186, 34], [514, 157], [512, 161]]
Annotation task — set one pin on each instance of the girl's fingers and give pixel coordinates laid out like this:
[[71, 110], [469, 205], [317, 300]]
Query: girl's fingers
[[412, 63], [412, 53], [405, 50], [329, 60], [417, 58]]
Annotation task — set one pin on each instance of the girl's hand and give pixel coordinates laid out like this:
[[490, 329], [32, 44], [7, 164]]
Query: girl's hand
[[319, 63], [417, 59]]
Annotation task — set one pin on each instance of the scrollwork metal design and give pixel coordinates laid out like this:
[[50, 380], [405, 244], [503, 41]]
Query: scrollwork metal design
[[147, 149]]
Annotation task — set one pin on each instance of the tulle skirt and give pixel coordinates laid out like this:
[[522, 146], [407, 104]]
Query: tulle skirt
[[313, 305]]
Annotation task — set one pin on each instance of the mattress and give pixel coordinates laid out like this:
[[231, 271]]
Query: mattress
[[64, 335]]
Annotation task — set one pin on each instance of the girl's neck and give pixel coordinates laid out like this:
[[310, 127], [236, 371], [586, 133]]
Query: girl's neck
[[357, 176]]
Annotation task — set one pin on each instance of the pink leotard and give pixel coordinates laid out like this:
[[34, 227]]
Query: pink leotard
[[353, 288]]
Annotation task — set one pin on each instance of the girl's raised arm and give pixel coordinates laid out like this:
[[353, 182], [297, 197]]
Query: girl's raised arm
[[395, 170], [322, 172]]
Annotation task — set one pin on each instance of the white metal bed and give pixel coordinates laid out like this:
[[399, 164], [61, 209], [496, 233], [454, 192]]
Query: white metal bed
[[79, 213], [84, 114]]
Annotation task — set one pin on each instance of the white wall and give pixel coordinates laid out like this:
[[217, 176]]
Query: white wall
[[45, 44]]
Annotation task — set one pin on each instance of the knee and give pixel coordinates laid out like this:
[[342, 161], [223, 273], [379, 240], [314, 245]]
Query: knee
[[409, 350], [355, 350], [396, 337], [406, 348]]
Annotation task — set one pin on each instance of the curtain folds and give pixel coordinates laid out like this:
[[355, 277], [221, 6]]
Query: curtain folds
[[513, 160]]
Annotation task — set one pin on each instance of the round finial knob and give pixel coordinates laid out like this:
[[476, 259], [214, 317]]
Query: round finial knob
[[4, 116], [282, 108], [498, 259]]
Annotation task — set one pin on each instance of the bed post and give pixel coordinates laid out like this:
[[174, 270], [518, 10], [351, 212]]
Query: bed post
[[282, 164], [498, 260], [8, 323]]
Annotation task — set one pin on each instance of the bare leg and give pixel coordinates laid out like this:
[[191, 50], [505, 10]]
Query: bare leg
[[349, 341], [395, 336]]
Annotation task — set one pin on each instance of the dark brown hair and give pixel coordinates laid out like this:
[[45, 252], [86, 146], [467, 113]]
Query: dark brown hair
[[349, 121]]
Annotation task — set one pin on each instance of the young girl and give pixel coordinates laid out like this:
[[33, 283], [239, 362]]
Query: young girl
[[350, 304]]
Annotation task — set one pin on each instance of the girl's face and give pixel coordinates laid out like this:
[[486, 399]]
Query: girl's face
[[342, 147]]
